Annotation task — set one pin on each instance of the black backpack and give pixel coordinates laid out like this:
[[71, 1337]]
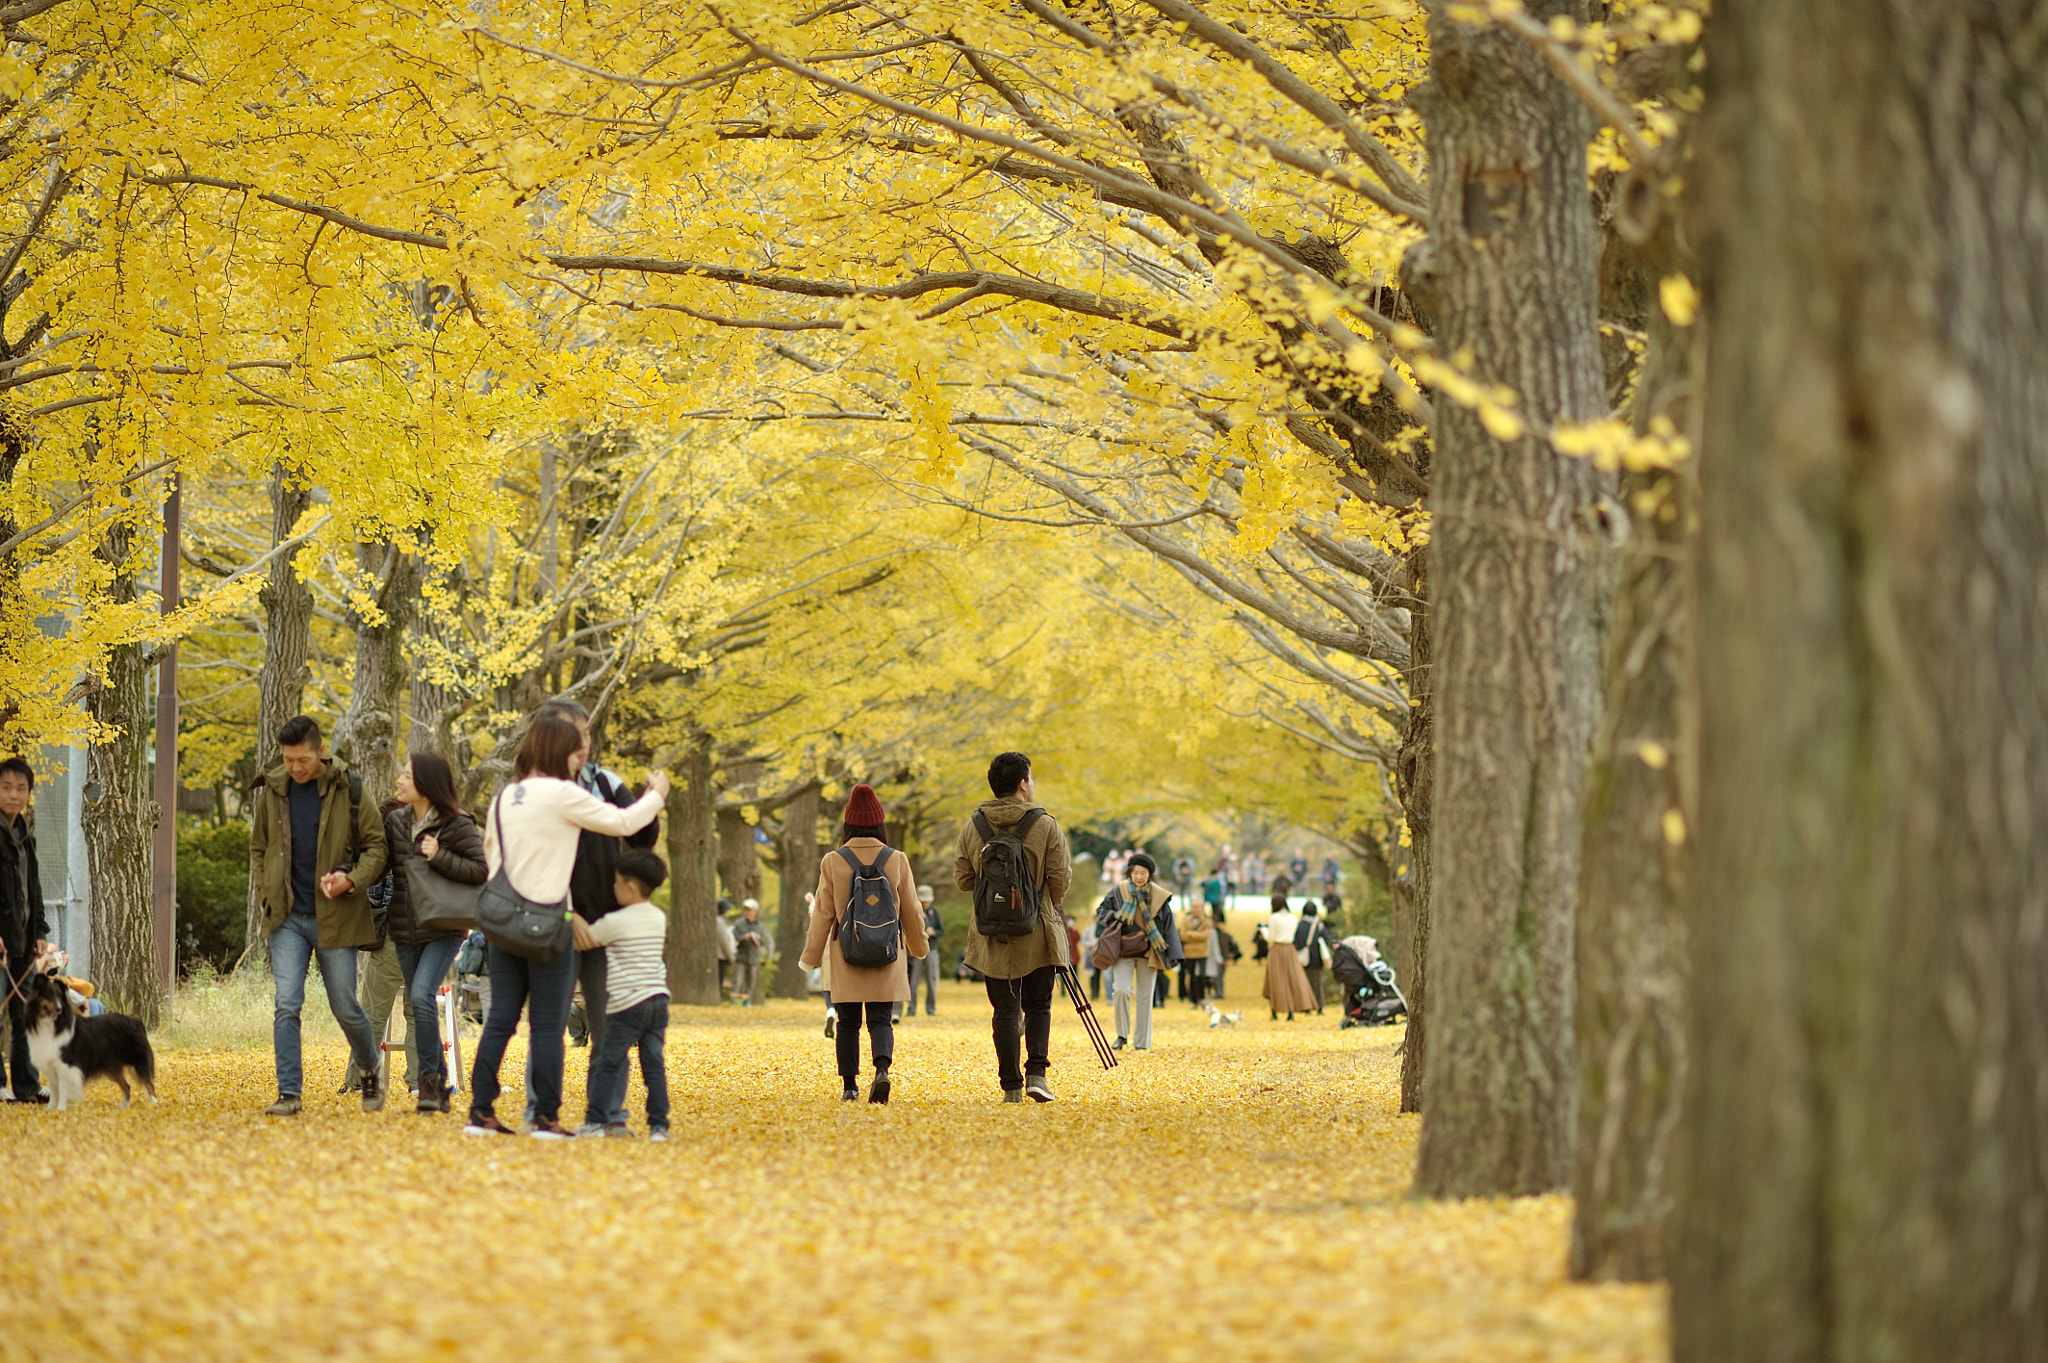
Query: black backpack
[[1005, 896], [869, 929]]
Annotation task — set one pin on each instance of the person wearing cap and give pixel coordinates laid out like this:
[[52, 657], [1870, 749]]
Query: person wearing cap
[[749, 949], [864, 993], [927, 969], [1020, 971], [1138, 911]]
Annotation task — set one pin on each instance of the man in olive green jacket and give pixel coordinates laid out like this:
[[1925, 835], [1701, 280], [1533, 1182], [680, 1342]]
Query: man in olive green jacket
[[315, 848], [1020, 970]]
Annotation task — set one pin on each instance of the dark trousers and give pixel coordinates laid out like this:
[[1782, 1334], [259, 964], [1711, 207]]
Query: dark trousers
[[1315, 983], [643, 1028], [1198, 981], [591, 973], [1159, 990], [881, 1037], [1023, 1014], [26, 1083], [543, 991]]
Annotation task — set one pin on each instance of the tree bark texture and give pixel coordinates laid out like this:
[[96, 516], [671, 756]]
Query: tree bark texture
[[281, 684], [739, 866], [1512, 267], [369, 733], [120, 819], [1866, 1140], [797, 863], [433, 704], [692, 948], [1630, 937], [1415, 783]]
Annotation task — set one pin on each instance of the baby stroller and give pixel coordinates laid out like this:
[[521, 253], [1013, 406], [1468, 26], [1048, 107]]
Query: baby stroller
[[1371, 998]]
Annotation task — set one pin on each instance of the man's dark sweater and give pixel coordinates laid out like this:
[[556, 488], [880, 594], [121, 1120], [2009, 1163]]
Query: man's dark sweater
[[303, 798]]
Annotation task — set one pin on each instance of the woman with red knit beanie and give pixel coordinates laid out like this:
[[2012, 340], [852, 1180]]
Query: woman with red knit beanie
[[857, 991]]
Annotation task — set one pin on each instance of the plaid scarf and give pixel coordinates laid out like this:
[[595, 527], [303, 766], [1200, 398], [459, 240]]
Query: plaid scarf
[[1134, 909]]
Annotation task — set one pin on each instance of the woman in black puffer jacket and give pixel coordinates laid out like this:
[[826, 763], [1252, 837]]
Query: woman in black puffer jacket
[[425, 823]]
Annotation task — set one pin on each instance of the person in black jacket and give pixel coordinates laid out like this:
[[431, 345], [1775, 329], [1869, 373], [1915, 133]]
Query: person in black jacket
[[1312, 943], [24, 931], [590, 883], [425, 824]]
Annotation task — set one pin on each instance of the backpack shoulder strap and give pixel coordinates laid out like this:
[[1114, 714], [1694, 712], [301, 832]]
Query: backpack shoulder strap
[[881, 860], [355, 807], [983, 827], [851, 859], [1031, 816]]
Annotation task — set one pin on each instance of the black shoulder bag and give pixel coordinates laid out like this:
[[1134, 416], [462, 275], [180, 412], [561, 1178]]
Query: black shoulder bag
[[513, 923]]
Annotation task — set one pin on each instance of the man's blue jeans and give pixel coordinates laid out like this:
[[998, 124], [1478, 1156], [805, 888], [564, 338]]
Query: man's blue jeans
[[292, 948], [643, 1028], [425, 966]]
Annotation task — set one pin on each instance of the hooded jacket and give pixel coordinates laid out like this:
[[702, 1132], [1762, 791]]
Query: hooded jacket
[[1045, 852], [354, 845]]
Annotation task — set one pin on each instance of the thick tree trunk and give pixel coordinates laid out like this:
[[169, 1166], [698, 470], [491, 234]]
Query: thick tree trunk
[[120, 819], [433, 704], [369, 733], [1518, 577], [739, 865], [1415, 783], [1631, 933], [692, 949], [1867, 1117], [281, 685], [797, 861]]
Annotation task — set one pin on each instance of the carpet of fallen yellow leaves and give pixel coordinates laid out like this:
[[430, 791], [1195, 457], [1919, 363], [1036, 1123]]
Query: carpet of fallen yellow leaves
[[1236, 1194]]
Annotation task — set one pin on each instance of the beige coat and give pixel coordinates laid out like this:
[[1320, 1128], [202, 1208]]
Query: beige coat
[[850, 984], [1045, 851]]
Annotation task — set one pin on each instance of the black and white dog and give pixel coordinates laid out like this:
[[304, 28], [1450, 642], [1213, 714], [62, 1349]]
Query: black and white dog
[[67, 1049]]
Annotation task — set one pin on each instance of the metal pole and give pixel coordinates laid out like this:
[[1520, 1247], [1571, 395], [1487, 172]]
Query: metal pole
[[163, 877]]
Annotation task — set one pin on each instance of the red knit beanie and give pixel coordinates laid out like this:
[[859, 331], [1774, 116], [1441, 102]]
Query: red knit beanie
[[864, 808]]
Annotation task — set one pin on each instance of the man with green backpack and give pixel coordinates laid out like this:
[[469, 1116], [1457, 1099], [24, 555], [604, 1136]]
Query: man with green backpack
[[1013, 857]]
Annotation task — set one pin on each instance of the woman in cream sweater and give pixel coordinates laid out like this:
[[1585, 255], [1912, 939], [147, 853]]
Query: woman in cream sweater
[[530, 834]]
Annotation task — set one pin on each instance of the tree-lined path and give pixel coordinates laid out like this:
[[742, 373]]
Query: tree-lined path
[[1236, 1194]]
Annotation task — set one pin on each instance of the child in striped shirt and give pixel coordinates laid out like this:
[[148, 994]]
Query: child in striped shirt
[[636, 1001]]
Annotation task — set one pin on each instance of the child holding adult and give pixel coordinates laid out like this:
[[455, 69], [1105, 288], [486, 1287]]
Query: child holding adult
[[531, 834], [424, 823], [636, 994], [856, 990]]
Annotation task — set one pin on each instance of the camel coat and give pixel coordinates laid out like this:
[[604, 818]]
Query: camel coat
[[1045, 852], [835, 882]]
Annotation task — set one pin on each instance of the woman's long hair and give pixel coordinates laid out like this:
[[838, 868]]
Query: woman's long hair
[[434, 779], [850, 831], [550, 742]]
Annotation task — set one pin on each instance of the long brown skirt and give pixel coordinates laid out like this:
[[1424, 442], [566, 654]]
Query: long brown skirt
[[1286, 982]]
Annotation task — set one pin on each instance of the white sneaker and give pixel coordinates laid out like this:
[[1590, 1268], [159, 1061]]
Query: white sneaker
[[590, 1129], [1037, 1089]]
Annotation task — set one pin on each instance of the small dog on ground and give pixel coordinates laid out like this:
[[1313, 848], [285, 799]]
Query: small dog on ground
[[68, 1049], [1218, 1018]]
